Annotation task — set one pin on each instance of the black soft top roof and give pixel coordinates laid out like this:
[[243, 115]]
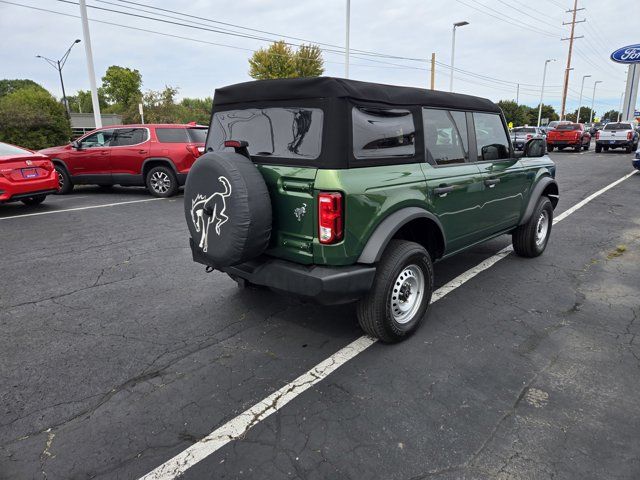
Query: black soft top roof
[[331, 87]]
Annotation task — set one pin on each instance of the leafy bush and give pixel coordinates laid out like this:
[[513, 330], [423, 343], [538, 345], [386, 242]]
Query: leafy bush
[[31, 117]]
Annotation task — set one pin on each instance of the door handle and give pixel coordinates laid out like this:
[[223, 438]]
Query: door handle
[[104, 153], [442, 191], [491, 182], [142, 151]]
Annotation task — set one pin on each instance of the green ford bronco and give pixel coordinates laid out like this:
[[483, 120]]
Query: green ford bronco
[[341, 191]]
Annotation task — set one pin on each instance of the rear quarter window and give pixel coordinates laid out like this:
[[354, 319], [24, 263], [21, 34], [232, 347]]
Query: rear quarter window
[[383, 133], [172, 135], [198, 135]]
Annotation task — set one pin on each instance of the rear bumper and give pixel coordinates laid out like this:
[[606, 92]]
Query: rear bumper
[[614, 143], [321, 284], [564, 143], [11, 191]]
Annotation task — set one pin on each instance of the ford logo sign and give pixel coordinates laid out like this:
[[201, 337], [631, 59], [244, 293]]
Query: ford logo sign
[[630, 54]]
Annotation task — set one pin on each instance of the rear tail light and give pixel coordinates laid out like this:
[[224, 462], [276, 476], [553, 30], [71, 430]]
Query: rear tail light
[[529, 136], [330, 217], [629, 135], [598, 135], [195, 150]]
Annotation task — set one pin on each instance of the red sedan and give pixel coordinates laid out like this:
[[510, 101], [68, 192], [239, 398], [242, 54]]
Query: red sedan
[[25, 176]]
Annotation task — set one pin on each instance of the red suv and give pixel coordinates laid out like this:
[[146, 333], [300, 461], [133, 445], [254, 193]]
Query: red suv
[[158, 156]]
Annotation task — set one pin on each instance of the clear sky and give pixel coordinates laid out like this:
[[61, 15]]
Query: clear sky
[[506, 40]]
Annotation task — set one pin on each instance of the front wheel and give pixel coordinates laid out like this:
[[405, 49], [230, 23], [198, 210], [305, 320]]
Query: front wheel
[[35, 200], [396, 303], [162, 182], [530, 239], [65, 185]]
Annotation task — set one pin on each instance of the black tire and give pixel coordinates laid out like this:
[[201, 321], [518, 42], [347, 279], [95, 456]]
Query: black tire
[[606, 149], [227, 208], [65, 185], [525, 239], [161, 182], [550, 148], [587, 146], [375, 310], [578, 148], [628, 149], [598, 148], [35, 200]]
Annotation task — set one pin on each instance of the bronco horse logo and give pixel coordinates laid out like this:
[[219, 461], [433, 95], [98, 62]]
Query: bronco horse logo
[[215, 206]]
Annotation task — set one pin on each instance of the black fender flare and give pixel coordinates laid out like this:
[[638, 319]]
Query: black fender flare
[[57, 161], [385, 231], [536, 193], [163, 160]]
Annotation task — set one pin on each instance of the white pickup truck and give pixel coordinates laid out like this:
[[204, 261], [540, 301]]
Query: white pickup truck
[[617, 135]]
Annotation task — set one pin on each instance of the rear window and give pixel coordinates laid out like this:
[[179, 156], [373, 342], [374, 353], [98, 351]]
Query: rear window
[[568, 127], [6, 149], [618, 126], [383, 133], [172, 135], [198, 135], [292, 132]]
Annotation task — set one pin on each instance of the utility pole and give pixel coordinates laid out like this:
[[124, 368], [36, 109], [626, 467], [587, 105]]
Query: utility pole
[[433, 71], [92, 74], [571, 38], [346, 48]]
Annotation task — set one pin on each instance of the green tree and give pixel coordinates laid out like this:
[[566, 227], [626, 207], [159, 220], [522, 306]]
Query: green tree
[[8, 86], [610, 116], [279, 60], [81, 102], [514, 113], [547, 112], [196, 110], [33, 118], [122, 85], [585, 113]]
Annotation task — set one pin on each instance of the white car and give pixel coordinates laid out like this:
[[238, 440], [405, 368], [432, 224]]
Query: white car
[[617, 135]]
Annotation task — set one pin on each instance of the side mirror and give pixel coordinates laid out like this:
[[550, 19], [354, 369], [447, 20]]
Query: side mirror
[[534, 148], [75, 144]]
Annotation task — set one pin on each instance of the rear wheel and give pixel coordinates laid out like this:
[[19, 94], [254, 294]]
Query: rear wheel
[[394, 307], [35, 200], [550, 148], [578, 147], [65, 185], [162, 182], [587, 146], [629, 149], [530, 239], [598, 148]]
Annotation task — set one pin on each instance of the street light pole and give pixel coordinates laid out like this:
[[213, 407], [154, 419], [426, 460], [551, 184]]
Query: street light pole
[[58, 65], [92, 74], [544, 77], [453, 50], [346, 49], [580, 101], [593, 99]]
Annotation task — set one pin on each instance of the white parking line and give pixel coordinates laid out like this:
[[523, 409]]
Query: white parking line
[[238, 427], [81, 208]]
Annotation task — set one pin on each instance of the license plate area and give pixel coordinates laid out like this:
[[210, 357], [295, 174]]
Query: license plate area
[[29, 172]]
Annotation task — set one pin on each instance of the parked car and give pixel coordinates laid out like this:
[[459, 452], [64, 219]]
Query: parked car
[[521, 135], [569, 135], [617, 135], [636, 161], [359, 188], [25, 176], [156, 156]]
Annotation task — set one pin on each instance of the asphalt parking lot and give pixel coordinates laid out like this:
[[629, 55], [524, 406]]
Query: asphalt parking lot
[[119, 352]]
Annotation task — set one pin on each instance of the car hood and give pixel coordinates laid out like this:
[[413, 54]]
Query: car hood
[[53, 150]]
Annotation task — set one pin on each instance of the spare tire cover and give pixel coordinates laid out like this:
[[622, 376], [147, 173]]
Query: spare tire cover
[[228, 208]]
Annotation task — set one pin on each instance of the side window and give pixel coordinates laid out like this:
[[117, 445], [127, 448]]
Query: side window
[[172, 135], [445, 136], [98, 139], [129, 136], [380, 133], [491, 136]]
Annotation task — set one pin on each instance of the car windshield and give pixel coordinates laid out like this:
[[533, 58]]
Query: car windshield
[[618, 126], [568, 127], [6, 149]]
